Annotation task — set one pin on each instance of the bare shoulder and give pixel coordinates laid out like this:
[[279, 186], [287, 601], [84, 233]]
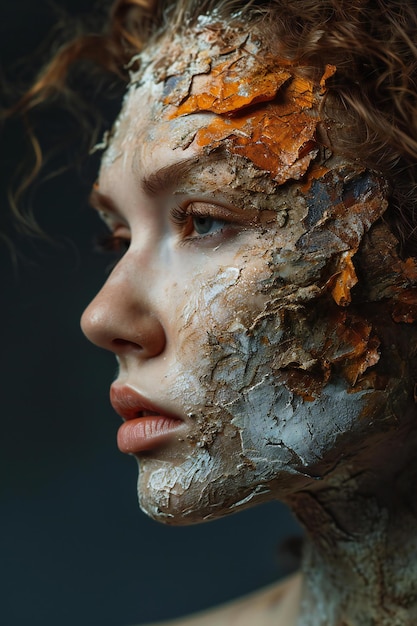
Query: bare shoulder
[[275, 605]]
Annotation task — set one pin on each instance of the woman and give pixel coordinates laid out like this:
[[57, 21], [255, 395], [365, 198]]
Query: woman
[[259, 181]]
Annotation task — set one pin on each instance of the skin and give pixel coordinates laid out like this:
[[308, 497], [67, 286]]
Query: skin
[[232, 309]]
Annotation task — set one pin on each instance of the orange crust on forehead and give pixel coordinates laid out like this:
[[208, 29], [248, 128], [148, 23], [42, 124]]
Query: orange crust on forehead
[[231, 86], [279, 135]]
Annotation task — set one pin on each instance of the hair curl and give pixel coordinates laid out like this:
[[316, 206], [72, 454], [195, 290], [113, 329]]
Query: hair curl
[[370, 42]]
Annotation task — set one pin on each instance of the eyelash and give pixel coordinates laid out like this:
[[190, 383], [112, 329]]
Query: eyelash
[[112, 243], [182, 218]]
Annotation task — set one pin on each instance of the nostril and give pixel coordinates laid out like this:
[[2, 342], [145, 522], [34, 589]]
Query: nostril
[[144, 347], [119, 344]]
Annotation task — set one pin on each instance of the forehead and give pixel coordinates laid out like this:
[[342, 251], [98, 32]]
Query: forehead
[[218, 86]]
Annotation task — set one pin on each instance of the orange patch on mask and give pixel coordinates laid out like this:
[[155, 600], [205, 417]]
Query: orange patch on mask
[[348, 344], [229, 89], [284, 147], [328, 73], [357, 347], [345, 280], [278, 137], [409, 269], [367, 358]]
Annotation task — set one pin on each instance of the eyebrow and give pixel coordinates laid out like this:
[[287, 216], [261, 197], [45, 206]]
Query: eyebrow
[[158, 182], [167, 177]]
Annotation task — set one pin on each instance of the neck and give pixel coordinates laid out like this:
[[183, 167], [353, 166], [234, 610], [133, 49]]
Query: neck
[[360, 561]]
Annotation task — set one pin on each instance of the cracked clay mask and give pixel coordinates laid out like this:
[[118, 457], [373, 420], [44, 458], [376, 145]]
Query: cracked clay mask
[[247, 257]]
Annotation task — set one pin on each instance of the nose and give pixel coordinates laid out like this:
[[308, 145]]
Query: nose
[[122, 319]]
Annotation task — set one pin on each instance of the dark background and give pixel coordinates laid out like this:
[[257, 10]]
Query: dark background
[[74, 546]]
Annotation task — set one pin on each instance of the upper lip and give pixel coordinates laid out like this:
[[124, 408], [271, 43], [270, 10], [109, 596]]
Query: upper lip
[[130, 404]]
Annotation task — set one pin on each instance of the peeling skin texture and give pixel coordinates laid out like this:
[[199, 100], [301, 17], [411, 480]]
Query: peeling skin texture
[[288, 329], [278, 137]]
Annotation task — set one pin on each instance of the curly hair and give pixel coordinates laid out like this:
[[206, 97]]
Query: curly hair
[[371, 43]]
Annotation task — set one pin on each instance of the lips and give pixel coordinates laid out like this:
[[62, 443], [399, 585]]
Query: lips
[[146, 426]]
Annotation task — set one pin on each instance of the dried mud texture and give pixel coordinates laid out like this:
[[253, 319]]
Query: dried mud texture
[[388, 277], [233, 86], [311, 286], [262, 110], [279, 137]]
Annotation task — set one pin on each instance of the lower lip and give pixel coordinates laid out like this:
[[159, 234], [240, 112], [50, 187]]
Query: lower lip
[[146, 433]]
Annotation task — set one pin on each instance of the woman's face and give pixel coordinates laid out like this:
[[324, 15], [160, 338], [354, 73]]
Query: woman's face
[[241, 366]]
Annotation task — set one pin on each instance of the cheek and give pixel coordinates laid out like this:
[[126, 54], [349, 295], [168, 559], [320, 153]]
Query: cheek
[[220, 304], [229, 293], [252, 346], [242, 321], [256, 430]]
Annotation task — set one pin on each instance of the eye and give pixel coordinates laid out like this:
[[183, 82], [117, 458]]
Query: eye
[[116, 242], [199, 220], [207, 225], [113, 243]]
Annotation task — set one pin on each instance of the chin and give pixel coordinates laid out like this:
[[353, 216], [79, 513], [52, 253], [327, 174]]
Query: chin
[[199, 491], [196, 491], [185, 511]]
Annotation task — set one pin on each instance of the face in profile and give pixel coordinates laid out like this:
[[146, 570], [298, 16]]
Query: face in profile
[[245, 367]]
